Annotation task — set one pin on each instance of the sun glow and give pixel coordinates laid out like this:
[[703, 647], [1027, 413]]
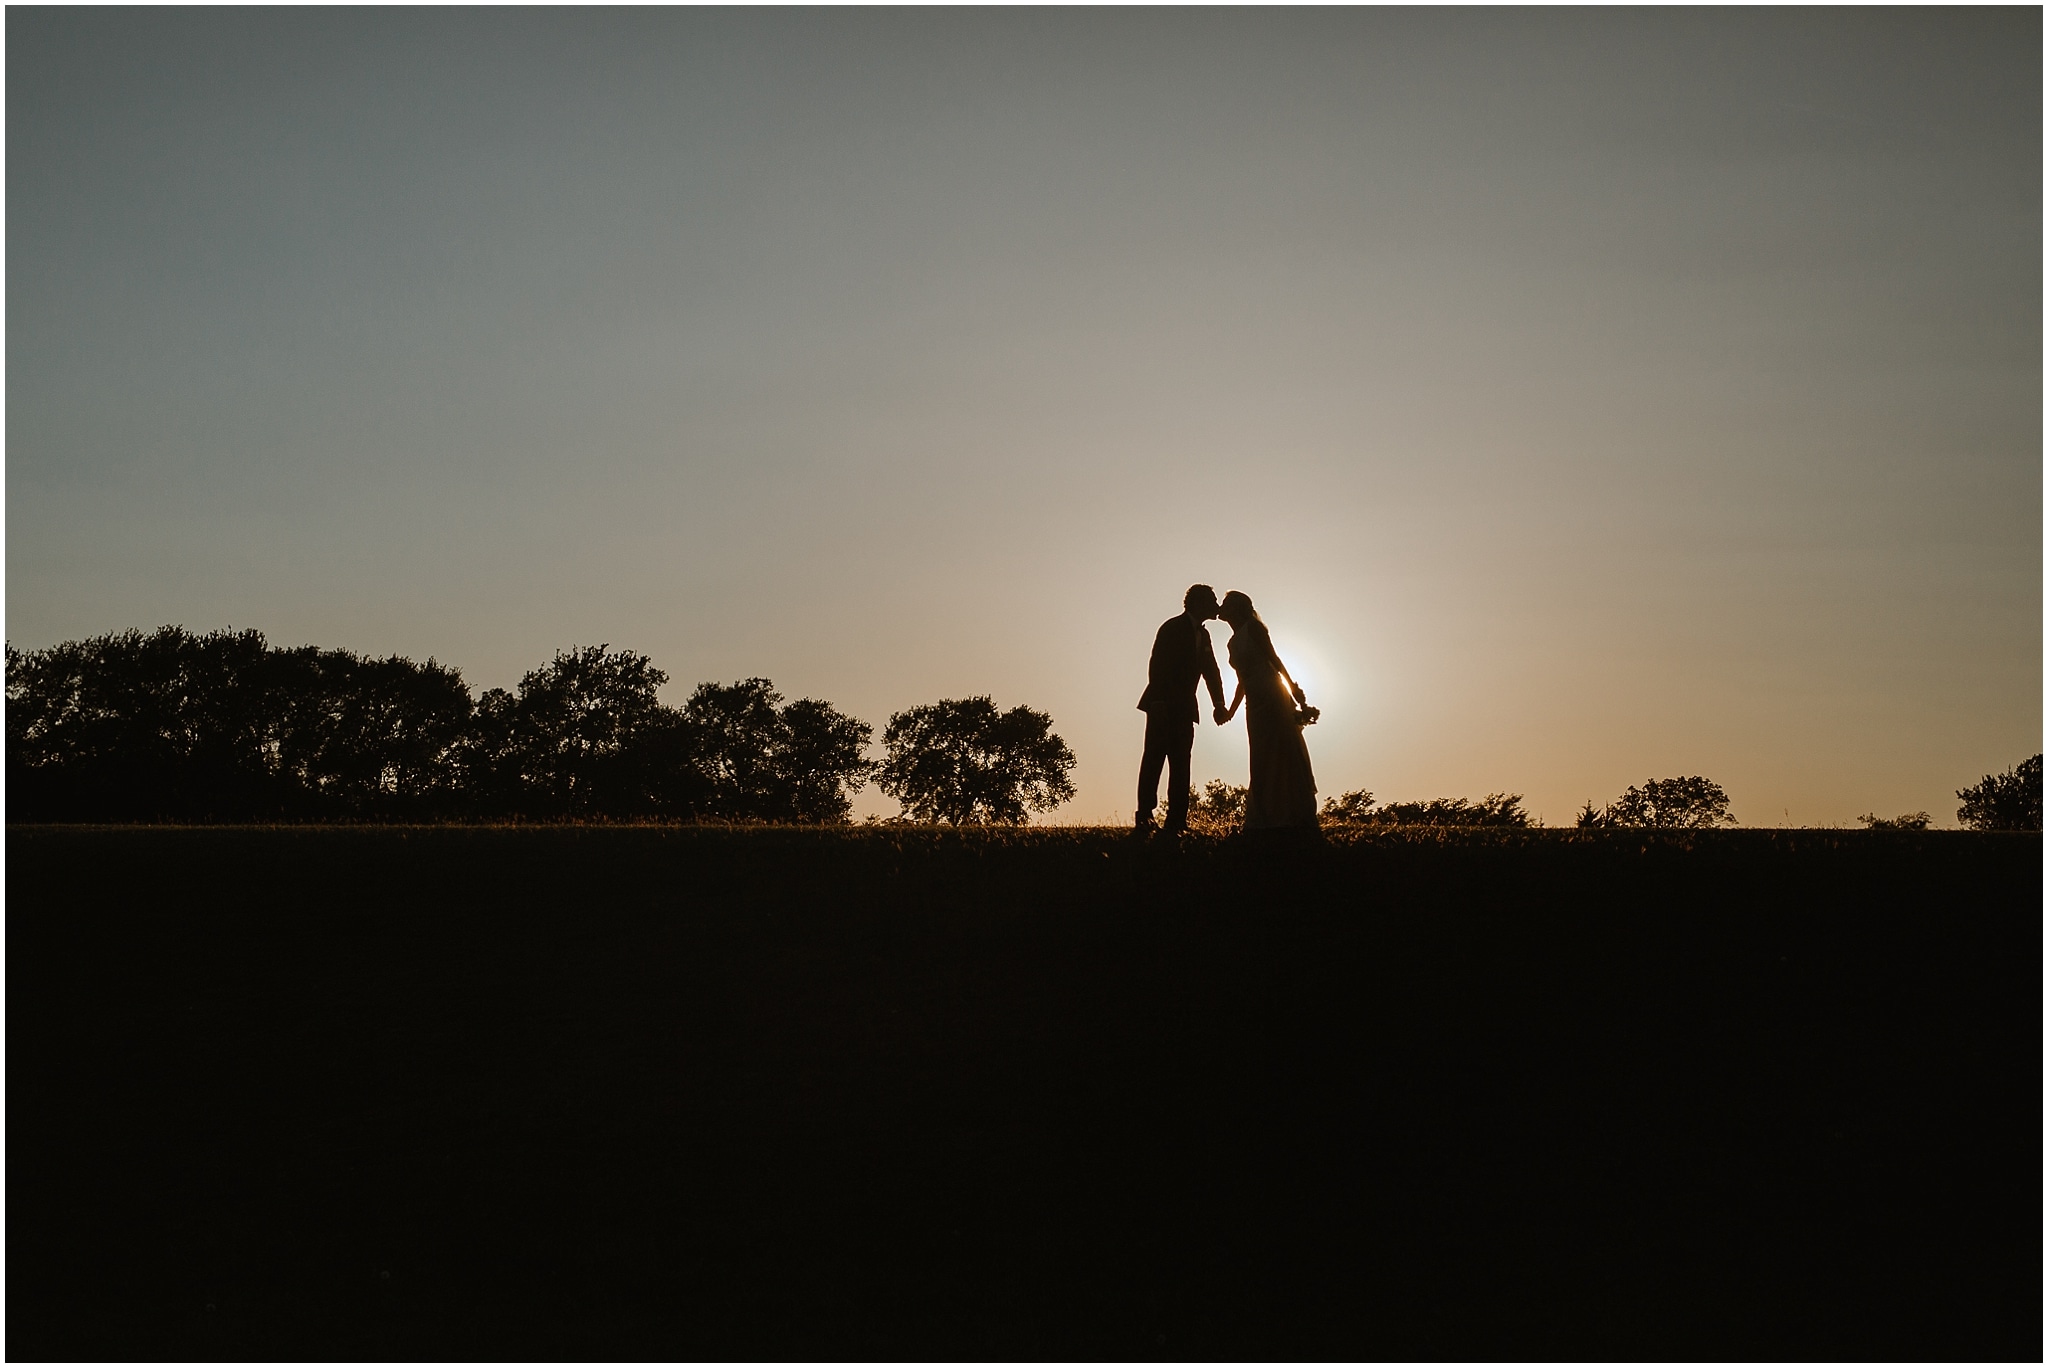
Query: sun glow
[[1305, 666]]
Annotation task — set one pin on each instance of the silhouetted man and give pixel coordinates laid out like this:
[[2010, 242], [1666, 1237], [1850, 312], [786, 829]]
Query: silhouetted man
[[1181, 658]]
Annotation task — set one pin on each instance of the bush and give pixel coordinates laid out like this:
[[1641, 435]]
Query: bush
[[1218, 809], [1494, 810], [2004, 802], [1686, 802], [963, 762], [1355, 806], [1910, 821]]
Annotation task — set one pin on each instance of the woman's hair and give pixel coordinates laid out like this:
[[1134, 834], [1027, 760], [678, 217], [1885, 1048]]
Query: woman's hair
[[1237, 604]]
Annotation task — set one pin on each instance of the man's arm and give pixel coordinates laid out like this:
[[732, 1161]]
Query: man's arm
[[1210, 673]]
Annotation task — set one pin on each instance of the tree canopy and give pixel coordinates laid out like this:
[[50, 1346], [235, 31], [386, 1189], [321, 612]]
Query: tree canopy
[[1690, 801], [2010, 801], [774, 762], [172, 725], [961, 761]]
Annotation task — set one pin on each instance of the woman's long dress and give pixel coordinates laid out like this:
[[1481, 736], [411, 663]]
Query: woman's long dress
[[1283, 788]]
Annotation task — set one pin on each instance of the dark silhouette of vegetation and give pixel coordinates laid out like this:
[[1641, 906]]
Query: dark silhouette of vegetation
[[767, 761], [169, 724], [2004, 802], [1218, 809], [1353, 807], [1910, 821], [570, 742], [962, 762], [1685, 802], [176, 726], [1494, 810]]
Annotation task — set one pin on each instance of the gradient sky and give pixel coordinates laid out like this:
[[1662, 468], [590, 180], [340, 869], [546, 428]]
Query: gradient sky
[[1582, 396]]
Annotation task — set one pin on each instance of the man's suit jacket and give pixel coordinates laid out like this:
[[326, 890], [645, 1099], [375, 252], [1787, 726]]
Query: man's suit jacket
[[1181, 658]]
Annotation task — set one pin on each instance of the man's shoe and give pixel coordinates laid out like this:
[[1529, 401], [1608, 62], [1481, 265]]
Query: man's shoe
[[1144, 826]]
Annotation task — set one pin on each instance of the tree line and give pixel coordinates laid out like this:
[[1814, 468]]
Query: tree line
[[221, 726], [172, 725]]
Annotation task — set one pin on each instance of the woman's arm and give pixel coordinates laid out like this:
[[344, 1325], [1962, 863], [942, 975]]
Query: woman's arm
[[1235, 699], [1300, 698]]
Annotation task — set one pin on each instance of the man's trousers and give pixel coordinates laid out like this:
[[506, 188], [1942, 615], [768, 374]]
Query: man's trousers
[[1170, 742]]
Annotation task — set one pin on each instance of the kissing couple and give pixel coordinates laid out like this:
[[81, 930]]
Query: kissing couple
[[1283, 788]]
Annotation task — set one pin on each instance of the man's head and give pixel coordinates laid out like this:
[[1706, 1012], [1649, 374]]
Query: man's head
[[1200, 601]]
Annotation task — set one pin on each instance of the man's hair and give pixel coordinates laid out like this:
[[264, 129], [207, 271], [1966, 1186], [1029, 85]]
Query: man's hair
[[1198, 593]]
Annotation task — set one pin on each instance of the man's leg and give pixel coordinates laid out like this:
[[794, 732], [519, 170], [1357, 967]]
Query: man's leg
[[1179, 769], [1148, 773]]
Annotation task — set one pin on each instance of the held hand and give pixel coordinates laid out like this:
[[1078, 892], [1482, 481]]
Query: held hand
[[1222, 717], [1300, 698]]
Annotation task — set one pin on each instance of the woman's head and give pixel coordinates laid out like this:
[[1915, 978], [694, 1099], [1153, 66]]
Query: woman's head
[[1237, 609]]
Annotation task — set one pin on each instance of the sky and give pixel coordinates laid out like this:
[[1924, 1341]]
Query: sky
[[1582, 396]]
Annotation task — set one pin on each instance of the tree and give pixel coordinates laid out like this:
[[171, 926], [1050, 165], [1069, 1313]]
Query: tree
[[733, 731], [822, 761], [372, 735], [487, 758], [224, 727], [2004, 802], [562, 745], [140, 726], [1691, 802], [167, 725], [762, 760], [961, 761]]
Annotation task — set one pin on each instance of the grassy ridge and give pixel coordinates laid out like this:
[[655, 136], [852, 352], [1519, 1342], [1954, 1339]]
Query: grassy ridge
[[692, 1092]]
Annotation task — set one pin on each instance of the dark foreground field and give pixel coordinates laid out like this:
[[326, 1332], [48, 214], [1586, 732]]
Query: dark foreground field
[[693, 1093]]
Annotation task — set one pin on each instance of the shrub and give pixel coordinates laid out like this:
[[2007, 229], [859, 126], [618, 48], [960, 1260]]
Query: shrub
[[1494, 810], [1355, 806], [1218, 809], [1686, 802], [1910, 821], [2004, 802], [961, 761]]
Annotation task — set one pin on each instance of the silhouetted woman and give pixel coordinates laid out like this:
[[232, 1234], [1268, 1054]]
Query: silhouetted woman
[[1283, 789]]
